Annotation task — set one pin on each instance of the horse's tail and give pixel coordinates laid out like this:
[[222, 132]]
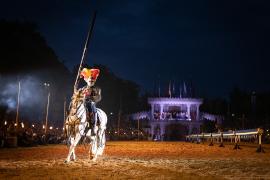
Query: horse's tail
[[102, 117]]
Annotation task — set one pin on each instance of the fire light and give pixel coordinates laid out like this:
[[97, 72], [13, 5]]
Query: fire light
[[5, 122], [43, 126], [33, 125], [51, 127], [15, 124], [22, 125]]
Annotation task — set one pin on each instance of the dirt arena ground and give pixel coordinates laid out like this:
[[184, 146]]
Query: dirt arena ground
[[138, 160]]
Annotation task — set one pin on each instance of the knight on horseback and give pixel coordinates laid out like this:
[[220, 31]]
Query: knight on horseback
[[91, 95], [83, 103]]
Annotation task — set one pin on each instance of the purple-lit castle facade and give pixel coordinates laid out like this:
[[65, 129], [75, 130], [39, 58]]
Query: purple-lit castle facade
[[168, 113]]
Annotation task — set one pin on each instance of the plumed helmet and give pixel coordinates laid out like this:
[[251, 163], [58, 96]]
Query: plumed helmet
[[89, 74]]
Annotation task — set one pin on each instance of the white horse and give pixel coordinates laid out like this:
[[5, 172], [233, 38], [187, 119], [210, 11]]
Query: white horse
[[75, 128]]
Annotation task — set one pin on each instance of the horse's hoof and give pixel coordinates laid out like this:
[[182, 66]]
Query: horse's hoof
[[94, 159], [91, 156], [66, 161]]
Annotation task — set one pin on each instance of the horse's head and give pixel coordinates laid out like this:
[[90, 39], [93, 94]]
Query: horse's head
[[76, 110], [71, 126]]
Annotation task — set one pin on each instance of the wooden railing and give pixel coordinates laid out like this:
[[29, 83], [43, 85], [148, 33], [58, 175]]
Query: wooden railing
[[236, 135]]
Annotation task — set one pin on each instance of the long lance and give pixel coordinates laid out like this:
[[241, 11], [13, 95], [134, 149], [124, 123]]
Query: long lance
[[89, 35]]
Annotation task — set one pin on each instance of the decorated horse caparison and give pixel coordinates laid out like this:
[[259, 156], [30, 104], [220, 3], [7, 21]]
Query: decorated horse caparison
[[84, 119]]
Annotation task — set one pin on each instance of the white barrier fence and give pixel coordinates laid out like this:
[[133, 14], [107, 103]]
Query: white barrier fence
[[236, 135]]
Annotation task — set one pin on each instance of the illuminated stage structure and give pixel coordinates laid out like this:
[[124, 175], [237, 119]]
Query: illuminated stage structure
[[171, 118]]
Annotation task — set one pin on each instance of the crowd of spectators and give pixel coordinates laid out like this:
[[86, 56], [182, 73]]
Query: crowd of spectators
[[11, 135], [33, 136], [170, 115]]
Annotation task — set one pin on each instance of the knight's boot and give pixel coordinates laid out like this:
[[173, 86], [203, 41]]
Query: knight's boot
[[94, 129], [93, 132]]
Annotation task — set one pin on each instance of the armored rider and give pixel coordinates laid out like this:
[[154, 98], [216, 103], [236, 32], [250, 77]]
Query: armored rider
[[91, 94]]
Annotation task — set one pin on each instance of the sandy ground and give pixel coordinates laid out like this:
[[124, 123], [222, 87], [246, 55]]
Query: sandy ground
[[138, 160]]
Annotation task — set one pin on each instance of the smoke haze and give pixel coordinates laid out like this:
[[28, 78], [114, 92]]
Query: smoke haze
[[32, 96]]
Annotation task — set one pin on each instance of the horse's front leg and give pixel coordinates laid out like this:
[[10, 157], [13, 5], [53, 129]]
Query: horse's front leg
[[94, 149], [74, 142], [88, 134], [73, 155], [70, 149], [101, 141]]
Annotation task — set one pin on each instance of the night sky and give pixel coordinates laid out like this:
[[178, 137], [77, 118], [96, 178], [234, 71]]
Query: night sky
[[216, 44]]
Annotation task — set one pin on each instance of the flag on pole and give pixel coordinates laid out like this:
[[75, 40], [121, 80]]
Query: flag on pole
[[173, 90], [159, 89], [180, 91], [185, 89], [170, 93]]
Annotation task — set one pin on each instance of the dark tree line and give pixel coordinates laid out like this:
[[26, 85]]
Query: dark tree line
[[242, 110], [24, 52], [249, 109]]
